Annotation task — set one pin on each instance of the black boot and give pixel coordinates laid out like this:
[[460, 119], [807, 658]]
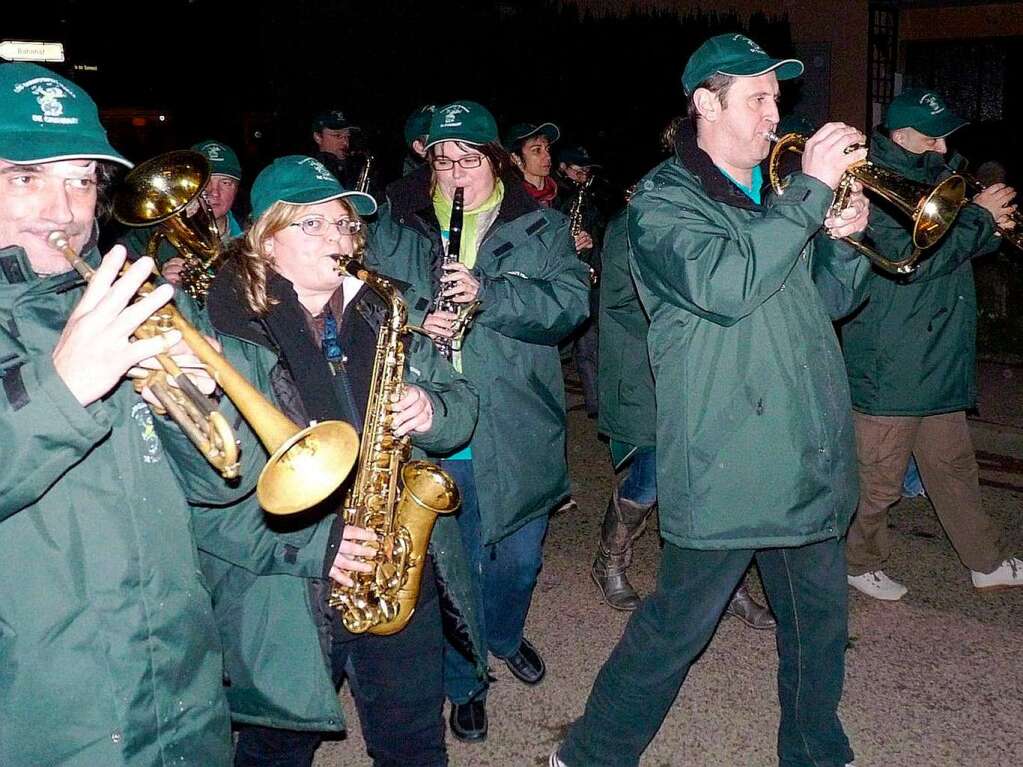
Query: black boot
[[744, 607], [623, 523]]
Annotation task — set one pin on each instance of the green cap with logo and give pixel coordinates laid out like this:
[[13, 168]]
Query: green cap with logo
[[518, 133], [223, 161], [302, 180], [464, 121], [418, 123], [734, 55], [45, 117], [924, 111]]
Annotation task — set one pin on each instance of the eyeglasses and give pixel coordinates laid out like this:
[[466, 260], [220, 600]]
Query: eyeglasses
[[317, 226], [468, 162]]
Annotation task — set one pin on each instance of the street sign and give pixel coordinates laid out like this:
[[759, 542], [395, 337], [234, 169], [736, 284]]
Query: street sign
[[20, 50]]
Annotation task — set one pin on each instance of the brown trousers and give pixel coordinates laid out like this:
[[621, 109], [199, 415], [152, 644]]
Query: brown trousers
[[948, 468]]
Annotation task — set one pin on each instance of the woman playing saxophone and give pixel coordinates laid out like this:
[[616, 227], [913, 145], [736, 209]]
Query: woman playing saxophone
[[307, 332]]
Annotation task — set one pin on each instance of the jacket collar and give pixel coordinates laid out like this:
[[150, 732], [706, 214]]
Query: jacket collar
[[411, 201], [717, 186], [230, 313]]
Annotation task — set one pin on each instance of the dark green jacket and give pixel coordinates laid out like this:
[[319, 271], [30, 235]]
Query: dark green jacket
[[754, 426], [109, 654], [628, 411], [534, 293], [911, 348], [268, 575]]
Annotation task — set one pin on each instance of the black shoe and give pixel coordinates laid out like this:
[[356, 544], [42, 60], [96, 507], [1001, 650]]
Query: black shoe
[[755, 615], [609, 575], [526, 664], [469, 721]]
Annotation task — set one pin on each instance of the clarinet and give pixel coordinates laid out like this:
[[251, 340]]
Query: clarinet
[[447, 345]]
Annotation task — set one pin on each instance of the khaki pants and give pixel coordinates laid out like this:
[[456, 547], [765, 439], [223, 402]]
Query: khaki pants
[[948, 467]]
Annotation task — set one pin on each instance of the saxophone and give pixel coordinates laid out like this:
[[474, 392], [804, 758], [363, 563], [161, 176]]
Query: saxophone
[[396, 498], [362, 184], [464, 312]]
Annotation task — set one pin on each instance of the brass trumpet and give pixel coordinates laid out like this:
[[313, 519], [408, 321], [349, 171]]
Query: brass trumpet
[[931, 209], [305, 466]]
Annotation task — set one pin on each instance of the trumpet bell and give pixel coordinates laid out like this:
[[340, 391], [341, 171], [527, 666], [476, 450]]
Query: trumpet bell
[[307, 467]]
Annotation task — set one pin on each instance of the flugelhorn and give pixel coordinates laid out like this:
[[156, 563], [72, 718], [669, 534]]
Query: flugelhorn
[[165, 193], [1013, 236], [932, 210], [305, 465]]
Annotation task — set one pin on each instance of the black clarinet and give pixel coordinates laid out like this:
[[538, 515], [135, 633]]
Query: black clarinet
[[464, 312]]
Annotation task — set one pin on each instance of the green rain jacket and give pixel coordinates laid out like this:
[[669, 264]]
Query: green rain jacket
[[628, 411], [109, 654], [754, 426], [911, 348], [270, 586], [534, 293]]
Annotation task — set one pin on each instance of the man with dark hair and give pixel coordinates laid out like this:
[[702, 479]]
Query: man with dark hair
[[910, 353], [334, 135], [109, 651], [754, 438]]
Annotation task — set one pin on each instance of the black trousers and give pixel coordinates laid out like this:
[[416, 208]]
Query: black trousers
[[398, 685]]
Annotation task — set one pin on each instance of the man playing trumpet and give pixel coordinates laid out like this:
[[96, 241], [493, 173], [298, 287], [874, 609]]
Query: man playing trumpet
[[108, 649], [755, 455]]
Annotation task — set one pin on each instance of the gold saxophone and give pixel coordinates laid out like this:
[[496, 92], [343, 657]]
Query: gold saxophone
[[397, 499]]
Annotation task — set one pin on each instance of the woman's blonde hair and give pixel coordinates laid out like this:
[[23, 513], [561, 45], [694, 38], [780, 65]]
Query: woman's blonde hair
[[253, 261]]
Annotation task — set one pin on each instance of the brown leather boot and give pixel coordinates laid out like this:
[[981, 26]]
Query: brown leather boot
[[623, 523], [744, 607]]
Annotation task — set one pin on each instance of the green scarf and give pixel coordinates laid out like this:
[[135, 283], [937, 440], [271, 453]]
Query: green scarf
[[470, 220]]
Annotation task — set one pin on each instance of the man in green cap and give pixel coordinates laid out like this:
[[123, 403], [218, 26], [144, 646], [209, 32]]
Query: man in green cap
[[755, 455], [109, 649], [910, 354], [417, 129]]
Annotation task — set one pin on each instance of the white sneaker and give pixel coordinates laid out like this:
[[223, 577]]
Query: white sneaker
[[554, 761], [878, 585], [1008, 575]]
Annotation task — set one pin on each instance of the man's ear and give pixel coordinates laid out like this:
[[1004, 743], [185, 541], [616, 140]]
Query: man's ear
[[707, 104], [318, 139]]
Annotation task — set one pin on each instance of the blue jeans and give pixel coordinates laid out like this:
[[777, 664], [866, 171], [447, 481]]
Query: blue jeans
[[669, 630], [506, 574], [637, 481], [912, 485]]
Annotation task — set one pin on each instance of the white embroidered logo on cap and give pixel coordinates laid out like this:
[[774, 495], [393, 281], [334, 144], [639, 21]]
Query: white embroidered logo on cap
[[214, 152], [451, 114], [48, 93], [318, 168], [753, 47], [932, 101]]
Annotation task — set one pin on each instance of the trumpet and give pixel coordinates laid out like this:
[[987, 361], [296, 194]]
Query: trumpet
[[305, 466], [932, 210]]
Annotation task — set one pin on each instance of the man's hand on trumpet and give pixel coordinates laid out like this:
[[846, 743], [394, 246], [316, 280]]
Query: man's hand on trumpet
[[852, 219], [830, 151], [96, 349]]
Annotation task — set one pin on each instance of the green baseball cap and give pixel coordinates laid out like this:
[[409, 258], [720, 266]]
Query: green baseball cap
[[464, 121], [223, 161], [418, 123], [734, 55], [924, 111], [45, 117], [302, 180], [518, 133]]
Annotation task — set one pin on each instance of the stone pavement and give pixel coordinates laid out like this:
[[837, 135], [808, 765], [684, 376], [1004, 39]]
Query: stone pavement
[[935, 680]]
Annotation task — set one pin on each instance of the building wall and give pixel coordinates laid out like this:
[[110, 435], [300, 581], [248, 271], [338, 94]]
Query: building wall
[[842, 24], [960, 23]]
